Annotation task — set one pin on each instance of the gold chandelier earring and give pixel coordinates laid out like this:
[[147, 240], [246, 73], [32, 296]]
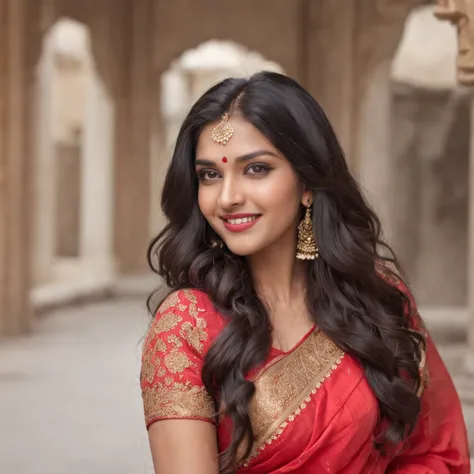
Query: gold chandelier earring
[[306, 246]]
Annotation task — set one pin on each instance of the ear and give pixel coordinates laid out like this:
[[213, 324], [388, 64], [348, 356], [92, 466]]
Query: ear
[[307, 198]]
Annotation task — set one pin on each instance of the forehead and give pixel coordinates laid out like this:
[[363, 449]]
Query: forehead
[[246, 139]]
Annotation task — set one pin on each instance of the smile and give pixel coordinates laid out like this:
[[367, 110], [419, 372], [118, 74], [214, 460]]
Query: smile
[[239, 223]]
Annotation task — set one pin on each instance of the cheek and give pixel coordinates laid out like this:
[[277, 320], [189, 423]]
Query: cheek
[[282, 192], [205, 202]]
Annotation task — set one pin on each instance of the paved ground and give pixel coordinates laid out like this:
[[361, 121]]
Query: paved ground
[[69, 394]]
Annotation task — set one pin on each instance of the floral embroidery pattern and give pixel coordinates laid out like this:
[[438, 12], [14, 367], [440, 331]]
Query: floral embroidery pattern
[[177, 400], [177, 361], [172, 363]]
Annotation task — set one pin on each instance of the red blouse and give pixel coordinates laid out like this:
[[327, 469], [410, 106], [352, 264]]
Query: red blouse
[[313, 410]]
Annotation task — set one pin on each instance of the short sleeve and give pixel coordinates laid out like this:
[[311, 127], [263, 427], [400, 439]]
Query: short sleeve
[[172, 360]]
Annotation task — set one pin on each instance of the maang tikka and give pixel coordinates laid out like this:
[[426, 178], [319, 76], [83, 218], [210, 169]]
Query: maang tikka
[[223, 132], [306, 246]]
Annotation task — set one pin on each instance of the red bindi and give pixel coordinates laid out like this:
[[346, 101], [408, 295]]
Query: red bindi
[[224, 160]]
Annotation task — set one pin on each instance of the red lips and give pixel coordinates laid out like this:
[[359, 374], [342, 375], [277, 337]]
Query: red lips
[[242, 226]]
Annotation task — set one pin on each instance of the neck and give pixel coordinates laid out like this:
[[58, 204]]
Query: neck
[[277, 275]]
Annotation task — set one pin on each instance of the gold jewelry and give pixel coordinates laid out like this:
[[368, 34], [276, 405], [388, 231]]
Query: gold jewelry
[[223, 132], [306, 246]]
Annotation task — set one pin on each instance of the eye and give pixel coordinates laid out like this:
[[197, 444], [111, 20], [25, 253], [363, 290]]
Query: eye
[[207, 175], [258, 169]]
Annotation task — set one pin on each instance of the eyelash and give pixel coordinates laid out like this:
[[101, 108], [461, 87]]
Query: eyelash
[[264, 169]]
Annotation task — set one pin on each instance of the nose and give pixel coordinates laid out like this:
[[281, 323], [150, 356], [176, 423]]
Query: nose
[[231, 195]]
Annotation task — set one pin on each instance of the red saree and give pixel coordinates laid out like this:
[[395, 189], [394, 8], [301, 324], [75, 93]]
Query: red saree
[[313, 410]]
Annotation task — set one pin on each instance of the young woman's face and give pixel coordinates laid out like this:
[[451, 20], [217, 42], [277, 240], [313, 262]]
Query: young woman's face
[[248, 191]]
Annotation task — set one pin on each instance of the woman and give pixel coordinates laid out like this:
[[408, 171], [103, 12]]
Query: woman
[[288, 344]]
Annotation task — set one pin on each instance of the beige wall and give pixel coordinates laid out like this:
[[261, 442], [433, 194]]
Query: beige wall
[[431, 148], [69, 98]]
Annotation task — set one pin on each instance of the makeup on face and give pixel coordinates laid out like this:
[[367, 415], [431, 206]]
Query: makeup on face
[[240, 222]]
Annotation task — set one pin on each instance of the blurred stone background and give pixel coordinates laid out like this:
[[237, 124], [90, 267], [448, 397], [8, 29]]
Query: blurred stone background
[[92, 95]]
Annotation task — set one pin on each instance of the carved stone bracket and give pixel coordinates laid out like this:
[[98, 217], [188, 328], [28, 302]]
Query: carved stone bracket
[[381, 26], [461, 14]]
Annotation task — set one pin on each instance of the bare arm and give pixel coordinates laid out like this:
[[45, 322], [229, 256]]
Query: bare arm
[[183, 447]]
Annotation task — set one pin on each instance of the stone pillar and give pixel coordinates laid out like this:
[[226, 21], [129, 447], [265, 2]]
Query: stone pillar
[[379, 28], [44, 228], [353, 43], [133, 162], [96, 212], [160, 154], [19, 36], [470, 265], [126, 28], [461, 14], [330, 69], [376, 167]]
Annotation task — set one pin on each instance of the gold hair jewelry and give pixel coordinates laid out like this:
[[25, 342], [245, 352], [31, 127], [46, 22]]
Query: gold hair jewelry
[[306, 246], [223, 132]]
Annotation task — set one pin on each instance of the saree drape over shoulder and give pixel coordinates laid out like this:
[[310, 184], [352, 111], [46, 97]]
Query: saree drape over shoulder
[[313, 411]]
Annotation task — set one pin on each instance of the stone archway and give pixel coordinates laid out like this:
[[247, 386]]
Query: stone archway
[[20, 37], [73, 192], [281, 41]]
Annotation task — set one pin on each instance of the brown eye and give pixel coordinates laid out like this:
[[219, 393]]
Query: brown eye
[[208, 175], [258, 169]]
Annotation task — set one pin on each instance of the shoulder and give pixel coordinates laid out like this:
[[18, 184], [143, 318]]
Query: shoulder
[[388, 271], [190, 315], [188, 298]]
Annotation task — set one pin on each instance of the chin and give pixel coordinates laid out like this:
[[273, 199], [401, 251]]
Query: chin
[[243, 250]]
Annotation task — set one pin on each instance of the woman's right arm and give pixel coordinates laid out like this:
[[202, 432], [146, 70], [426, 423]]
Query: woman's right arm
[[179, 413], [183, 447]]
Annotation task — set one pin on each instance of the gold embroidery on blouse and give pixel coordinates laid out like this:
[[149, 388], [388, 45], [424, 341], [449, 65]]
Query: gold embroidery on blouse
[[193, 311], [285, 389], [164, 397], [149, 368], [166, 322], [161, 372], [169, 302], [194, 335], [179, 400], [177, 361], [160, 346], [175, 340], [190, 296]]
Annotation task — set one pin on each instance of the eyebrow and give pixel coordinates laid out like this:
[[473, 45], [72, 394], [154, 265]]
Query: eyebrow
[[239, 159]]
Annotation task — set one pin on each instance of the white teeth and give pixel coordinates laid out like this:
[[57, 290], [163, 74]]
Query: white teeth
[[241, 220]]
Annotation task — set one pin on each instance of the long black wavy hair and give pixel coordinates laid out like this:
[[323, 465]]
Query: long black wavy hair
[[360, 311]]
